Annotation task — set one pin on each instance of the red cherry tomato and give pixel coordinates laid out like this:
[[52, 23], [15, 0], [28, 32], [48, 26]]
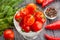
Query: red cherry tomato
[[26, 28], [29, 19], [39, 16], [24, 12], [36, 26], [8, 34], [31, 7], [39, 1], [18, 17]]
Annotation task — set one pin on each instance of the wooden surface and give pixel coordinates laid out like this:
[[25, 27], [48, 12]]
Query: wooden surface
[[55, 33]]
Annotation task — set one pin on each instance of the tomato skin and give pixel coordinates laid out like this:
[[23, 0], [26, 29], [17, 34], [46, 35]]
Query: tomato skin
[[39, 16], [36, 26], [8, 34], [31, 7], [29, 19], [39, 1], [25, 28], [17, 17], [24, 12], [20, 15]]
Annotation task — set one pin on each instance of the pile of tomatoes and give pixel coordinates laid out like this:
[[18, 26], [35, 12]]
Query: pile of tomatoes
[[30, 19]]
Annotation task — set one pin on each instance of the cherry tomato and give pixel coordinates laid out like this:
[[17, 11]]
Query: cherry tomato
[[39, 16], [9, 34], [29, 19], [36, 26], [26, 28], [31, 7], [18, 17], [24, 12], [39, 1]]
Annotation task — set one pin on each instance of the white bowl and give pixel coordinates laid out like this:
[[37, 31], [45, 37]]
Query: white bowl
[[26, 35], [48, 16]]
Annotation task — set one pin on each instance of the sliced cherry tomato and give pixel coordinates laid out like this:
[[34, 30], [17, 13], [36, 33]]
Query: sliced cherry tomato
[[31, 7], [9, 34], [17, 17], [36, 26], [26, 28], [39, 1], [29, 19]]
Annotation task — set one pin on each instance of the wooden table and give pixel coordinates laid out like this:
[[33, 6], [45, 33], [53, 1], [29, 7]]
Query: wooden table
[[55, 33]]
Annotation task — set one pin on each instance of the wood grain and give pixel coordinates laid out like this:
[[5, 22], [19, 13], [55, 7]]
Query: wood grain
[[55, 33]]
